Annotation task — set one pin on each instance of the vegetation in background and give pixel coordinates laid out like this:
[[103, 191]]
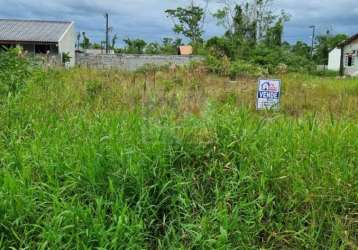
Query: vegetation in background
[[86, 43], [114, 41], [253, 34], [326, 43], [168, 46], [188, 22], [250, 24], [134, 46], [66, 58]]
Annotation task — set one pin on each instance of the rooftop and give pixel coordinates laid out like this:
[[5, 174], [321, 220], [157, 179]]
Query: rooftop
[[12, 30], [348, 41]]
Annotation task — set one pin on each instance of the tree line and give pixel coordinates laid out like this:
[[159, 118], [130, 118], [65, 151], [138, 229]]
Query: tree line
[[253, 32]]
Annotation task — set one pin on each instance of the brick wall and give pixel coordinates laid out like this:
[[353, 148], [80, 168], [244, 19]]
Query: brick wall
[[130, 62]]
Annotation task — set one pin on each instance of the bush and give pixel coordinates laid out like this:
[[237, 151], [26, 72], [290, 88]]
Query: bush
[[274, 58], [66, 58], [219, 46], [282, 68], [224, 67], [242, 68], [14, 71], [216, 65]]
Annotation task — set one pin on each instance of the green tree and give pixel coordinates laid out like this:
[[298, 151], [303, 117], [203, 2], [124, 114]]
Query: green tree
[[220, 46], [86, 44], [301, 49], [134, 46], [274, 34], [170, 46], [114, 41], [188, 22], [248, 24], [325, 43], [153, 49], [96, 46], [249, 19]]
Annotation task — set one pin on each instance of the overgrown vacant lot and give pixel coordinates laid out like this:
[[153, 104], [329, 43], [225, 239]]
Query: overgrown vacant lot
[[177, 159]]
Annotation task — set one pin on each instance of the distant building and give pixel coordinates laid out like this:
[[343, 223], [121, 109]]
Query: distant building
[[40, 37], [185, 50], [344, 58], [349, 57]]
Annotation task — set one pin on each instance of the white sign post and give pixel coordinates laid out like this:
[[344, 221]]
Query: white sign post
[[268, 94]]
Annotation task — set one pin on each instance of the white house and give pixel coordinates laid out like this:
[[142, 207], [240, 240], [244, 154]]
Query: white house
[[334, 59], [349, 57], [344, 58], [40, 37]]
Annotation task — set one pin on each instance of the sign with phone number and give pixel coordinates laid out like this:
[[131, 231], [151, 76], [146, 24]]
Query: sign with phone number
[[268, 94]]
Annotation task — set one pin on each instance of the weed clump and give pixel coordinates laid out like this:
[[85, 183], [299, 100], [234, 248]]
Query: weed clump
[[14, 71], [93, 88]]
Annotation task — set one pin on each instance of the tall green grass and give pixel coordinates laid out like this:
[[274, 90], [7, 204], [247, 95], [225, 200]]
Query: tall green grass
[[94, 168]]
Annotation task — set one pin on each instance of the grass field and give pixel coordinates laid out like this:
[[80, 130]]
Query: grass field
[[177, 160]]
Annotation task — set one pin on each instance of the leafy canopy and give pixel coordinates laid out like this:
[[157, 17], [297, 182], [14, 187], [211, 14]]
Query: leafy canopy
[[188, 22]]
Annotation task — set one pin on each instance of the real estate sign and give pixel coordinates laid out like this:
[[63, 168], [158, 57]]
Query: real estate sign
[[268, 94]]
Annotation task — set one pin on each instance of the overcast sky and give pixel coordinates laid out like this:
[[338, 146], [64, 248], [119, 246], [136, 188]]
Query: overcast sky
[[146, 19]]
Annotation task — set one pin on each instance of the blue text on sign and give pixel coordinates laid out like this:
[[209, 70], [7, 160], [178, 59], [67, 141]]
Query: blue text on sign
[[269, 95]]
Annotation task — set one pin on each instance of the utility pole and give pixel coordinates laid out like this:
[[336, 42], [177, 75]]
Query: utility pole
[[107, 34], [313, 27]]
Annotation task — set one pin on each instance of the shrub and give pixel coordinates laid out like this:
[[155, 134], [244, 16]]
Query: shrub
[[14, 71], [218, 65], [281, 68], [242, 68], [66, 58], [219, 46], [271, 58], [297, 63]]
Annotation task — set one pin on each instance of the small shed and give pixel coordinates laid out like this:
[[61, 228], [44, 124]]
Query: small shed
[[40, 37], [186, 50]]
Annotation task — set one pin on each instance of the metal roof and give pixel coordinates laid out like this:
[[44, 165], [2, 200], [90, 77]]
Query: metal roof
[[32, 30]]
